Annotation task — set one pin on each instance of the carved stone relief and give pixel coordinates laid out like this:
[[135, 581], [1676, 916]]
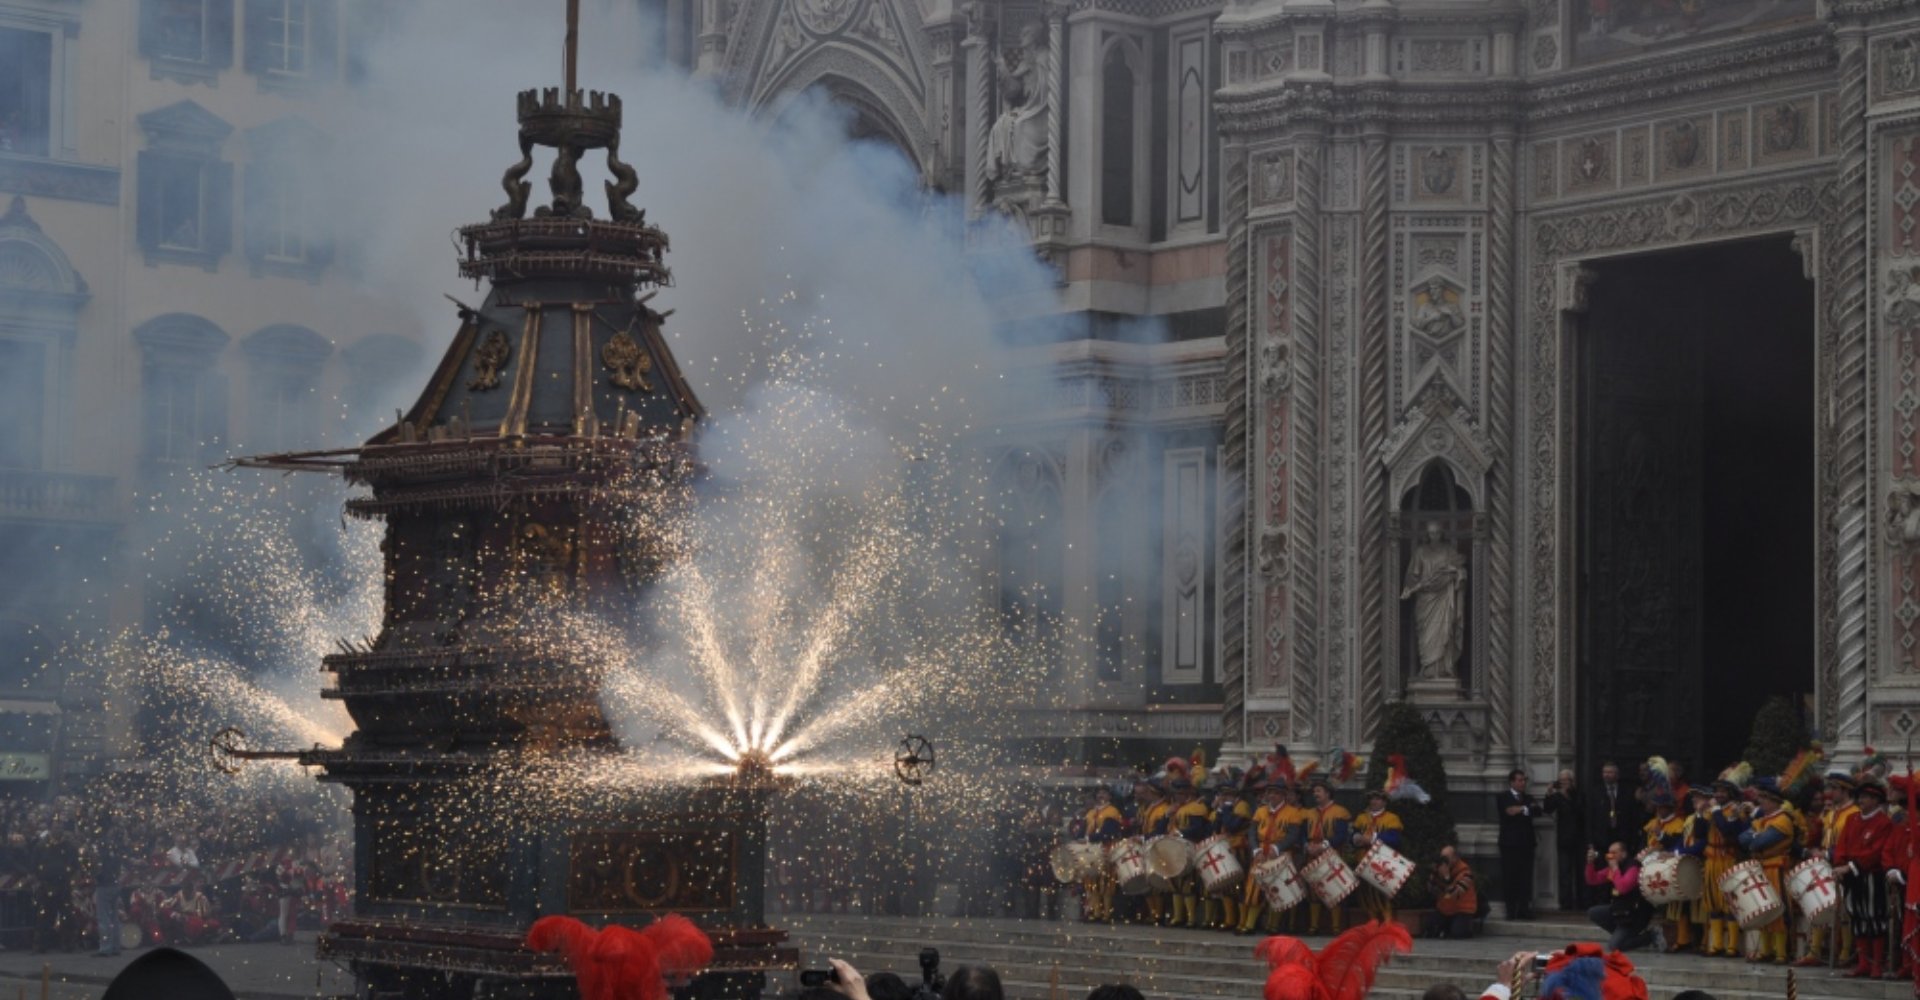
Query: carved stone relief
[[1896, 67], [1684, 148], [1784, 132], [1273, 178], [1590, 162], [1635, 160], [1439, 174], [1733, 140]]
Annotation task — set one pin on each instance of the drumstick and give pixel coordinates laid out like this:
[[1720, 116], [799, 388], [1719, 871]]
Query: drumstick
[[1793, 985]]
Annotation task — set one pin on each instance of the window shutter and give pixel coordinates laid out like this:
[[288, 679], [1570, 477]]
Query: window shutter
[[149, 27], [219, 33], [323, 22], [147, 190], [258, 12], [253, 211], [218, 211]]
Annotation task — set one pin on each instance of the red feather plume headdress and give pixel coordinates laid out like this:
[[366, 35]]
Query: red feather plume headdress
[[620, 963], [1344, 970]]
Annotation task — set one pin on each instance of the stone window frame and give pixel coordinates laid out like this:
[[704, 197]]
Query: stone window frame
[[285, 362], [286, 156], [41, 296], [217, 35], [61, 30], [1135, 52], [184, 137], [319, 43], [180, 352]]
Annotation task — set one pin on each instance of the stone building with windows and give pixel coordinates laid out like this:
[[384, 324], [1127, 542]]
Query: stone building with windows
[[170, 292], [1550, 364]]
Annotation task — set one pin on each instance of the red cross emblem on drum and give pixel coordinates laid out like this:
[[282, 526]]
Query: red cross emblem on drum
[[1656, 884], [1213, 864]]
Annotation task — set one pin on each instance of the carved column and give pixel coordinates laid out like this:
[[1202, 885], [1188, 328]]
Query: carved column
[[1843, 708], [946, 112], [1056, 90], [1233, 601], [1501, 265], [1310, 669], [1370, 528], [979, 107], [712, 57]]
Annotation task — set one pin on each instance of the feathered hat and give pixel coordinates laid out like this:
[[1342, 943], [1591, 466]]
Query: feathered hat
[[1659, 782], [1874, 765], [1308, 774], [1344, 969], [1735, 779], [1399, 785], [1768, 788], [1802, 771], [619, 963], [1342, 766], [1586, 971]]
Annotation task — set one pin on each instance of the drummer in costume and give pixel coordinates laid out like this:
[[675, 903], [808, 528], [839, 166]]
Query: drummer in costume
[[1726, 822], [1232, 819], [1838, 812], [1377, 825], [1104, 825], [1769, 840], [1694, 913], [1859, 861], [1329, 828], [1666, 833], [1192, 822], [1273, 831], [1153, 825]]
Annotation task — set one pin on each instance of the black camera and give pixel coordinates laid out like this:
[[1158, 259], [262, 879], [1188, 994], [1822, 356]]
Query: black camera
[[1540, 962], [815, 978], [931, 981]]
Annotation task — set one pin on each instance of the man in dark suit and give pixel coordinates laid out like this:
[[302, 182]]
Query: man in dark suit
[[1614, 812], [1566, 802], [1517, 811]]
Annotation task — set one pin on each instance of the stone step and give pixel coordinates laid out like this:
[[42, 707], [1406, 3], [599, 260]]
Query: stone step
[[1040, 960]]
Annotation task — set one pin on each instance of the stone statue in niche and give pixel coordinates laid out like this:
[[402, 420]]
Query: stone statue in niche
[[1017, 144], [1436, 582], [1903, 514]]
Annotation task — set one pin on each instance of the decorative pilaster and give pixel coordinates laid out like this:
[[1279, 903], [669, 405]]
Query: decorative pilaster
[[979, 108], [1309, 668], [1233, 601], [1501, 263], [1056, 89], [1370, 529], [1843, 709]]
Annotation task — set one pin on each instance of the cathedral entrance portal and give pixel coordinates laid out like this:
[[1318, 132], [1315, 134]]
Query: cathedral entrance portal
[[1695, 500]]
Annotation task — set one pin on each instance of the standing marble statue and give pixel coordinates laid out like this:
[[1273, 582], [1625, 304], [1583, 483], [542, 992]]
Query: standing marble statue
[[1437, 583], [1017, 145]]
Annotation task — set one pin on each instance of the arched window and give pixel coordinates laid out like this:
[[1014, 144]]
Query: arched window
[[183, 396], [1117, 123]]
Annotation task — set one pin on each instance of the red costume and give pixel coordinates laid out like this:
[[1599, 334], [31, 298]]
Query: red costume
[[1858, 858], [1902, 856]]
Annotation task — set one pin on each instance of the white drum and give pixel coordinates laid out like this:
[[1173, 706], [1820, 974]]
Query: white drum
[[1280, 882], [1385, 869], [1129, 861], [1753, 899], [1220, 871], [1814, 891], [1170, 857], [1076, 862], [1329, 878], [131, 936], [1667, 878]]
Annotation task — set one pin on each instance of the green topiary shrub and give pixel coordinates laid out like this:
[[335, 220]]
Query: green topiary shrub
[[1777, 735], [1429, 827]]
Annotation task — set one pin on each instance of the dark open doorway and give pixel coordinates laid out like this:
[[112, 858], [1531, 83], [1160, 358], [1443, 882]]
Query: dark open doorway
[[1695, 500]]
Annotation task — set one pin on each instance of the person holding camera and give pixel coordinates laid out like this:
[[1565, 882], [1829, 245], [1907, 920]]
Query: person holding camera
[[1626, 916], [1456, 900], [1566, 802]]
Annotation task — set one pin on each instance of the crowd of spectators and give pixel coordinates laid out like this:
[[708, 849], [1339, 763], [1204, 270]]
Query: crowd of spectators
[[109, 867]]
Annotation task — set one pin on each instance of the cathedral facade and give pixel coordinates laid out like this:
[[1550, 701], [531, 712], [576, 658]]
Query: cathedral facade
[[1549, 364]]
